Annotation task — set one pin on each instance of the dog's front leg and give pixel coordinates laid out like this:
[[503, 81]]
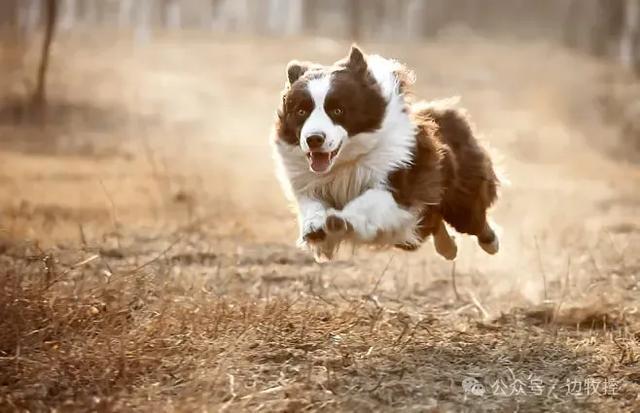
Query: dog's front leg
[[312, 215], [373, 217]]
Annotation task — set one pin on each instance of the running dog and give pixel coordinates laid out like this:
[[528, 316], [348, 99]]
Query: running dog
[[363, 162]]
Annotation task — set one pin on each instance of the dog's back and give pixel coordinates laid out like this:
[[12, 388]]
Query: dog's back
[[470, 184]]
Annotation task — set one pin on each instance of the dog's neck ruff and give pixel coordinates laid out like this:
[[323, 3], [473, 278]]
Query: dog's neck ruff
[[367, 159]]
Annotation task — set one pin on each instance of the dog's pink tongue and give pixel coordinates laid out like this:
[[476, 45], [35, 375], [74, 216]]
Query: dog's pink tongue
[[319, 161]]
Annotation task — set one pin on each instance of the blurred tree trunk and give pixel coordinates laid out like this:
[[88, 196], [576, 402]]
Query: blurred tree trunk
[[9, 13], [630, 38], [587, 27], [171, 14], [143, 16], [12, 48], [215, 14], [607, 32], [310, 12], [416, 11], [125, 13], [606, 28], [276, 14], [67, 14], [355, 13], [295, 17], [51, 12]]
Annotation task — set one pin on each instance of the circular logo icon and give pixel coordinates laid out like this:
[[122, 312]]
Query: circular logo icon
[[472, 386]]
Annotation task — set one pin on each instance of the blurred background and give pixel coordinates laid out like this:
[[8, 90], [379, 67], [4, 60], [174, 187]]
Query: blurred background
[[598, 26], [605, 28]]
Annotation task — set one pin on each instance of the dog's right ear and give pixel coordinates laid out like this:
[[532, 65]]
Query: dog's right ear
[[295, 69], [356, 62]]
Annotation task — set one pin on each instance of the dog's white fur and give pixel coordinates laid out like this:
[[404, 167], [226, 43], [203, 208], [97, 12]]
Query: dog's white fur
[[356, 187]]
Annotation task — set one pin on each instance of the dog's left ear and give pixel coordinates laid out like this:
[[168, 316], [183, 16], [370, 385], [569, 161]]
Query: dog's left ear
[[295, 70], [356, 61]]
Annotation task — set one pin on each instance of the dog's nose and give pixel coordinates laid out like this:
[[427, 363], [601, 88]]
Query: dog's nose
[[315, 141]]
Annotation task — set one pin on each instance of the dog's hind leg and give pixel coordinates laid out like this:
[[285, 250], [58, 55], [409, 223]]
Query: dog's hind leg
[[444, 242], [488, 239]]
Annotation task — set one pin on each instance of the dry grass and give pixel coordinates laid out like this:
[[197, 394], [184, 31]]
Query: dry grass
[[158, 278], [91, 335]]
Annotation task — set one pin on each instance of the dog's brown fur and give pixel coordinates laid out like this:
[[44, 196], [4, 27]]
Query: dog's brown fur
[[452, 177]]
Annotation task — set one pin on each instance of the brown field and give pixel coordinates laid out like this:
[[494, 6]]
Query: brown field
[[147, 256]]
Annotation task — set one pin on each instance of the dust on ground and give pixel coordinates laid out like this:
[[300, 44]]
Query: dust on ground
[[148, 259]]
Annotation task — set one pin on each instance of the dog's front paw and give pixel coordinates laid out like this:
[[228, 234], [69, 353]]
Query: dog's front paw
[[314, 235], [312, 232], [337, 226]]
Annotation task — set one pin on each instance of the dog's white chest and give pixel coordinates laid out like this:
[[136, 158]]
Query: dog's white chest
[[345, 185]]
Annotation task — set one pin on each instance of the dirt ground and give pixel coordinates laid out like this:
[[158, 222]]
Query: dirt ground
[[148, 262]]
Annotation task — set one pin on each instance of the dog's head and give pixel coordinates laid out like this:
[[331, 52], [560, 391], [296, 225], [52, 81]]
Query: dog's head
[[324, 106]]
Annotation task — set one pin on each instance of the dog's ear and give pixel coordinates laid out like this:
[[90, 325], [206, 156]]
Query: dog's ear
[[356, 61], [295, 69]]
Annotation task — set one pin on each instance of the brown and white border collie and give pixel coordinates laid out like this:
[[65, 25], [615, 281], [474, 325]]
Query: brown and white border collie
[[366, 164]]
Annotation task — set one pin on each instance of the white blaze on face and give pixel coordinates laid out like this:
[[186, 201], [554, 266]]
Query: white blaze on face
[[319, 123]]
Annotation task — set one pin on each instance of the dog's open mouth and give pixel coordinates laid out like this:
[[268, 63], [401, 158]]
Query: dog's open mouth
[[320, 162]]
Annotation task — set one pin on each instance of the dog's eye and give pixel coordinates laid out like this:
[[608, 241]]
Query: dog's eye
[[337, 112], [301, 112]]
